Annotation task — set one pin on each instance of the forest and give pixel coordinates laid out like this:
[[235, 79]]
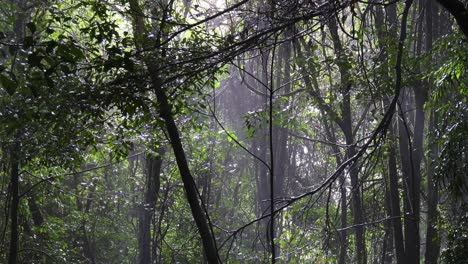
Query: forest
[[233, 131]]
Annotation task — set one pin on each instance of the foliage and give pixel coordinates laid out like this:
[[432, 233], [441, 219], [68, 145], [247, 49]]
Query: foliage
[[79, 111], [457, 247], [452, 131]]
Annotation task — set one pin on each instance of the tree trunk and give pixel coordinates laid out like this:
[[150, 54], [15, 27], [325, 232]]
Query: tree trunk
[[395, 212], [432, 237], [415, 149], [343, 196], [313, 90], [153, 170], [387, 243], [14, 181], [165, 111], [346, 127], [411, 188], [385, 32], [432, 234], [201, 219]]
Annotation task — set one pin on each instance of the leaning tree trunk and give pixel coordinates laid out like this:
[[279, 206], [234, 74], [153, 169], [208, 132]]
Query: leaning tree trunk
[[165, 112], [201, 219]]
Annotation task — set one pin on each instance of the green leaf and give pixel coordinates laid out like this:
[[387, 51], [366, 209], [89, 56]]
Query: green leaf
[[31, 26], [70, 52], [50, 46], [9, 84], [35, 59], [77, 52], [49, 31]]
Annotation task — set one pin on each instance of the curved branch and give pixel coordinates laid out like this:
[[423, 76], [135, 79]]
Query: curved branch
[[459, 12]]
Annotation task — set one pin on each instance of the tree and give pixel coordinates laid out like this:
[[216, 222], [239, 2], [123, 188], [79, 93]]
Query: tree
[[300, 131]]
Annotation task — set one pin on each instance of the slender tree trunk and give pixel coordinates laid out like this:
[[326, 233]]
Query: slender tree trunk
[[382, 35], [36, 214], [88, 249], [411, 190], [153, 170], [343, 198], [201, 219], [415, 149], [385, 33], [18, 35], [281, 133], [267, 155], [14, 184], [395, 212], [387, 244], [343, 220], [357, 209], [432, 233], [415, 187], [272, 177], [432, 237], [313, 90]]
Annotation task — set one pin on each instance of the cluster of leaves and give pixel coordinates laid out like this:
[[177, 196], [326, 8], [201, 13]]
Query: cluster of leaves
[[49, 96], [457, 247], [76, 207], [450, 98]]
